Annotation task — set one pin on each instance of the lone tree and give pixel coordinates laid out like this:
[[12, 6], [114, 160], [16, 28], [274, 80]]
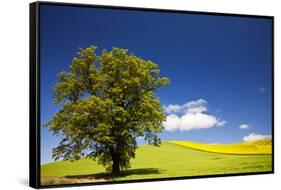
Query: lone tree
[[106, 102]]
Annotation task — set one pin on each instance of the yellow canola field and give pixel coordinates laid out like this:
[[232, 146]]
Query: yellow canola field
[[256, 147]]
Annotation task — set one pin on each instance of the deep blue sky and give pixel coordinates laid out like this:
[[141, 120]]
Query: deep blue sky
[[221, 59]]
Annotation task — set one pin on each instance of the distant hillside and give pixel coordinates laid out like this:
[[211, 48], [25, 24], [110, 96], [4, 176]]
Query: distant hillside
[[168, 160], [265, 142], [256, 147]]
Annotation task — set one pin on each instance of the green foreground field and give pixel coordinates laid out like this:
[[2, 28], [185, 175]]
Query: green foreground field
[[169, 160]]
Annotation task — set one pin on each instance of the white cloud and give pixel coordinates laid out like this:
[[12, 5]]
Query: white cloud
[[262, 89], [196, 106], [190, 116], [172, 108], [196, 103], [255, 137], [172, 122], [244, 126], [198, 109]]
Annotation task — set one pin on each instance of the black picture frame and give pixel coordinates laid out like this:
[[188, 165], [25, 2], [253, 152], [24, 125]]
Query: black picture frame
[[34, 91]]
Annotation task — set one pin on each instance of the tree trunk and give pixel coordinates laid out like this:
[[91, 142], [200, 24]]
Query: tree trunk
[[116, 164]]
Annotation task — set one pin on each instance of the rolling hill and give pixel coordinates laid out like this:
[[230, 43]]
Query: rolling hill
[[255, 147], [168, 160]]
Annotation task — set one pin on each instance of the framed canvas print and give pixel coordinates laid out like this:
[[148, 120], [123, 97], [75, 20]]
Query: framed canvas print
[[120, 94]]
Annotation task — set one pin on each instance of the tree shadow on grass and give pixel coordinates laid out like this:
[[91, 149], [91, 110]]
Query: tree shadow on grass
[[108, 176]]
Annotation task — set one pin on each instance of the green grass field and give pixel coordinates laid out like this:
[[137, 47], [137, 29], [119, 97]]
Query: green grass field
[[169, 160]]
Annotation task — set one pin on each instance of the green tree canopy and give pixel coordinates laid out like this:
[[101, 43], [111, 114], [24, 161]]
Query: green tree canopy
[[106, 102]]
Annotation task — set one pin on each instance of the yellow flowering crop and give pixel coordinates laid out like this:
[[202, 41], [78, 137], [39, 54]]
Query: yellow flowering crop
[[256, 147]]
